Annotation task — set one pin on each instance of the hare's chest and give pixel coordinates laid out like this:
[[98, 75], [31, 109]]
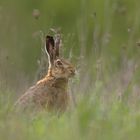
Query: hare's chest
[[57, 99]]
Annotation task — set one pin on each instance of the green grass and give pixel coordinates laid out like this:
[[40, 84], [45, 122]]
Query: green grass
[[91, 119]]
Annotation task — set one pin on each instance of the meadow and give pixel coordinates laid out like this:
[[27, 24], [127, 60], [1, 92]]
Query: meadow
[[102, 39]]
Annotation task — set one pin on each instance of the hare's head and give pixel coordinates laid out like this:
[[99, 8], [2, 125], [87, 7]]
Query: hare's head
[[58, 67]]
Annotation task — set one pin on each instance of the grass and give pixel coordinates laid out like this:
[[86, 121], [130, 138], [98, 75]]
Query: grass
[[91, 119]]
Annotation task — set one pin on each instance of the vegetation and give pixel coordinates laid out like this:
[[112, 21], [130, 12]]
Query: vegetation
[[102, 39]]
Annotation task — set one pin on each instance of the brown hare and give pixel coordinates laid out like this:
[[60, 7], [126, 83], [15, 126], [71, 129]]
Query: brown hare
[[51, 92]]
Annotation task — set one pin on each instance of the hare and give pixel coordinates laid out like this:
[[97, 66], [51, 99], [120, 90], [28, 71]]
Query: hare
[[51, 92]]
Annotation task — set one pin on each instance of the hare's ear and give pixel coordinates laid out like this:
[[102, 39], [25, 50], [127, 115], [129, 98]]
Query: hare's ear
[[49, 48], [57, 45]]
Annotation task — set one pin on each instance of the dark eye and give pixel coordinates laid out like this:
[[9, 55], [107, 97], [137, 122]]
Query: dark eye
[[59, 63]]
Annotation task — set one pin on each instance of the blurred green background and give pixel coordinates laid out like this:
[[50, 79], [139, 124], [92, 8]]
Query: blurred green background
[[92, 31], [102, 38]]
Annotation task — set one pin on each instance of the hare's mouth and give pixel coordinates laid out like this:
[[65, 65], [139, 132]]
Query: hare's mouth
[[72, 73]]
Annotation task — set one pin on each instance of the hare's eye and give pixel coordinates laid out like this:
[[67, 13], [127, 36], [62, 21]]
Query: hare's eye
[[59, 63]]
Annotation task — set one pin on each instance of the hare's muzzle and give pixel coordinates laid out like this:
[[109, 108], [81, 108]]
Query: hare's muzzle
[[72, 72]]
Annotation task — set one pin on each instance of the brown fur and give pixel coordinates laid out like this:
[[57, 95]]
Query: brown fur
[[51, 92], [48, 92]]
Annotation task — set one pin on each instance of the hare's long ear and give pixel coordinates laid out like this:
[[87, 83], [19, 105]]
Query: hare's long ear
[[57, 45], [49, 48]]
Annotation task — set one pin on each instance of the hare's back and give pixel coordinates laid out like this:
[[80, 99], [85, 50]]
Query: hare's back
[[35, 96]]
